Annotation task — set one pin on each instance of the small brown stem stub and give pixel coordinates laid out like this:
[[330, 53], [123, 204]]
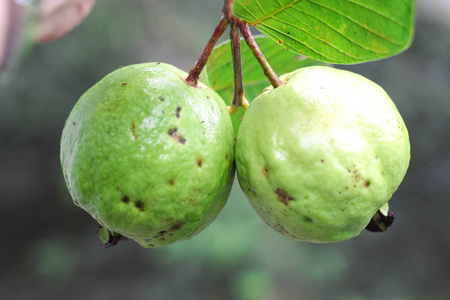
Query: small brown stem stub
[[251, 43], [112, 237], [194, 73], [380, 222]]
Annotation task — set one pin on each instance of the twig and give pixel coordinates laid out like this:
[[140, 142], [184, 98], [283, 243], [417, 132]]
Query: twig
[[238, 98], [251, 43], [195, 71]]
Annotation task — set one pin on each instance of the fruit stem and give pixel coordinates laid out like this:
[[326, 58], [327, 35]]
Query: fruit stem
[[194, 72], [238, 98], [251, 43]]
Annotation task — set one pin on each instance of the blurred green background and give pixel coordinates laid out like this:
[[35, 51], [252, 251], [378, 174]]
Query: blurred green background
[[49, 247]]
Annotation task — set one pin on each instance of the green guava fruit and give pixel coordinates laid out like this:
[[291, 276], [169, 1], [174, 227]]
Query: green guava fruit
[[318, 156], [148, 156]]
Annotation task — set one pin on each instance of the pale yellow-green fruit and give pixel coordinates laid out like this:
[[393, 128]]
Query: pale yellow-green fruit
[[148, 156], [319, 155]]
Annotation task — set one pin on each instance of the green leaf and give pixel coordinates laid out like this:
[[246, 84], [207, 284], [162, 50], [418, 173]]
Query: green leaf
[[218, 73], [334, 31]]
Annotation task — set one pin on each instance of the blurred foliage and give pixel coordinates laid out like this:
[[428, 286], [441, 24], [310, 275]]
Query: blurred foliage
[[50, 249]]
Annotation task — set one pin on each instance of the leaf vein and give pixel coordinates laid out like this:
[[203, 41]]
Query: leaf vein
[[248, 11], [325, 41], [260, 7], [268, 16], [297, 40], [364, 26], [391, 18]]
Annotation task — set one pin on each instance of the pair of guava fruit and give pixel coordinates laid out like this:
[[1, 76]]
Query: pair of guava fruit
[[152, 158]]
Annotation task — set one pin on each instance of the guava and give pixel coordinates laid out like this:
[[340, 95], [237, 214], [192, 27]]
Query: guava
[[148, 156], [318, 156]]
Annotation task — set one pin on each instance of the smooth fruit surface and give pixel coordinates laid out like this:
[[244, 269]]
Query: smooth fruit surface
[[148, 156], [319, 155]]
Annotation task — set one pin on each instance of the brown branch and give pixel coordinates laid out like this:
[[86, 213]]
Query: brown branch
[[238, 97], [194, 72], [251, 43]]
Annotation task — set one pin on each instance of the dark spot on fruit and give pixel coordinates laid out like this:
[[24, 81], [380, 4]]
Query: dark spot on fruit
[[133, 128], [176, 226], [125, 199], [124, 84], [283, 196], [321, 160], [170, 231], [121, 67], [76, 201], [177, 112], [199, 162], [226, 156], [140, 205], [157, 63], [282, 230], [161, 98], [366, 183], [266, 172], [73, 123], [308, 220], [118, 188], [280, 42], [202, 122], [346, 187], [173, 133], [171, 181]]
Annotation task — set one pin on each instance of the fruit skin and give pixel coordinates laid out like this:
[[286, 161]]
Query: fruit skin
[[319, 155], [148, 156]]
